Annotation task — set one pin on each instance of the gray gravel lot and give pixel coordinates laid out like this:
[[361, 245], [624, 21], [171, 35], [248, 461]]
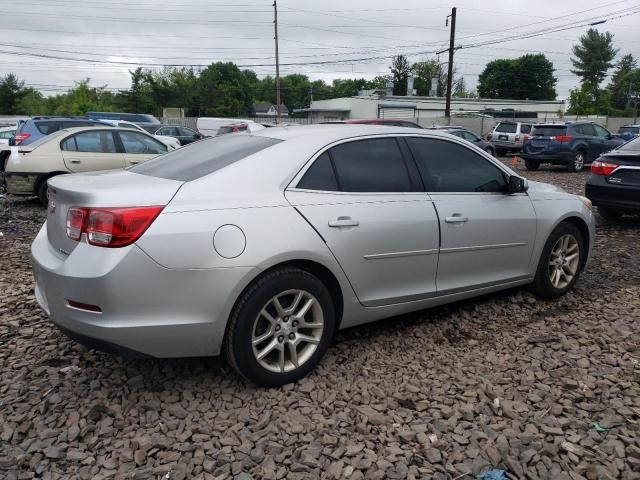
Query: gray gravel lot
[[541, 389]]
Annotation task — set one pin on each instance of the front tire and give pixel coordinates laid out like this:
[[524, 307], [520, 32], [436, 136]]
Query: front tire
[[41, 191], [280, 327], [577, 163], [609, 214], [560, 262], [532, 165]]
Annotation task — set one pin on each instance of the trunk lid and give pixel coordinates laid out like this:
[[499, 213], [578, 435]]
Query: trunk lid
[[100, 189], [629, 171]]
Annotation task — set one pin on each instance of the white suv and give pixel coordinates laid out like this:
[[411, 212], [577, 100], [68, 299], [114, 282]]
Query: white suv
[[509, 136]]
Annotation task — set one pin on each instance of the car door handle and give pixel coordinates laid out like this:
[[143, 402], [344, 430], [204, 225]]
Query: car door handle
[[343, 222], [134, 163], [76, 161], [456, 218]]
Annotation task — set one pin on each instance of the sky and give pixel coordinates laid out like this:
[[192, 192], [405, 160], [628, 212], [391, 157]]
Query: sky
[[328, 39]]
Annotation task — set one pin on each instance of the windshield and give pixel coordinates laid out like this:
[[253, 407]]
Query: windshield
[[204, 157], [631, 146], [549, 130]]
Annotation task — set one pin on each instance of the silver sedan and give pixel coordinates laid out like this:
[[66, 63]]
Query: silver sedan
[[261, 246]]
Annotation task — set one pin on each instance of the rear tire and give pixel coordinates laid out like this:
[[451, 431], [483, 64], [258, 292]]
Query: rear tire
[[560, 262], [577, 163], [532, 165], [42, 192], [610, 214], [269, 341], [500, 152]]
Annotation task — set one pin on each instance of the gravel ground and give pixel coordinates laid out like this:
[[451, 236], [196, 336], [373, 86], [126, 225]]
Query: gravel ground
[[541, 389]]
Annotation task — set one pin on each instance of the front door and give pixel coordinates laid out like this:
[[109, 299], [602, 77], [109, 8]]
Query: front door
[[487, 235], [91, 151], [362, 200]]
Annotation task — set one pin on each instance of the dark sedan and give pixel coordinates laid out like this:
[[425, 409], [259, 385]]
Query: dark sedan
[[470, 137], [614, 183], [183, 134]]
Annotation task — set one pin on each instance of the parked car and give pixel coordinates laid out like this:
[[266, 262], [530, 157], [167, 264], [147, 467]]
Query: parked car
[[614, 183], [184, 135], [170, 142], [36, 128], [572, 144], [290, 234], [6, 133], [509, 136], [469, 137], [72, 150], [145, 120], [389, 122], [209, 126], [245, 128], [628, 132]]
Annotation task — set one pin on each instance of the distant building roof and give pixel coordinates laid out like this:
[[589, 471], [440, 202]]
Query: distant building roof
[[266, 109]]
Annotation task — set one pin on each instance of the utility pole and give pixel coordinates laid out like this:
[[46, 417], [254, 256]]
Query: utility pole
[[452, 39], [311, 103], [275, 23]]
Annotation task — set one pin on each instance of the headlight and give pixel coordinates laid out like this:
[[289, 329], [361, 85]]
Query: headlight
[[587, 203]]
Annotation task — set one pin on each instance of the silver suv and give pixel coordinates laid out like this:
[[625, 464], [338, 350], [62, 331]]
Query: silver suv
[[509, 136]]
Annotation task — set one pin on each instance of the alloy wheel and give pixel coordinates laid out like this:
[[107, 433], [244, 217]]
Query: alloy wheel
[[578, 162], [564, 261], [287, 331]]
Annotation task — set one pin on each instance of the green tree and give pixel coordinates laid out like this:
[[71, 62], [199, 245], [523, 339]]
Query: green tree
[[224, 91], [527, 77], [593, 56], [32, 103], [11, 91], [400, 71], [620, 87]]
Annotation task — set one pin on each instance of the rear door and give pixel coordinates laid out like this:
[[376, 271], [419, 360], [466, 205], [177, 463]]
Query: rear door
[[486, 235], [138, 147], [363, 198], [91, 151]]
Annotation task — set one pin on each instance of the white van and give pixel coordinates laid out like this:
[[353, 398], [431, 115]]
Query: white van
[[210, 125]]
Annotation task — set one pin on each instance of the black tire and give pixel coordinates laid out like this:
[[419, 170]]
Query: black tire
[[610, 214], [578, 160], [490, 151], [532, 165], [42, 192], [542, 285], [237, 346], [500, 152]]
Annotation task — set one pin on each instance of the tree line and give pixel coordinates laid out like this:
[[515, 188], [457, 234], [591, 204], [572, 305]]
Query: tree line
[[223, 89]]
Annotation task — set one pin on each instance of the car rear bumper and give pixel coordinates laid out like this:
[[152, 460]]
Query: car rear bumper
[[559, 157], [604, 194], [145, 308], [506, 144]]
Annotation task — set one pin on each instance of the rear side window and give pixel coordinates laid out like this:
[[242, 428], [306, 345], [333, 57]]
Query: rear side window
[[47, 128], [549, 130], [507, 127], [202, 158], [90, 142], [585, 129], [320, 175], [449, 167], [600, 132], [525, 128], [372, 165]]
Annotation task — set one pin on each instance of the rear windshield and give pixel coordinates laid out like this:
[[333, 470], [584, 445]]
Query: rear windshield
[[631, 146], [629, 130], [507, 127], [549, 130], [204, 157]]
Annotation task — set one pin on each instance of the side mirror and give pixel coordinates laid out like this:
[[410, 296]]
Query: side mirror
[[517, 184]]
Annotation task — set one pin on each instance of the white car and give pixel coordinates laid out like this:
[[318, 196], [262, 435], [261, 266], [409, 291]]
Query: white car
[[210, 125], [6, 133], [170, 142], [74, 150], [246, 128]]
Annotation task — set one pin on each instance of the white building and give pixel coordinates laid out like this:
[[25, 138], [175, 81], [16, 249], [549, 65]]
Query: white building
[[428, 110]]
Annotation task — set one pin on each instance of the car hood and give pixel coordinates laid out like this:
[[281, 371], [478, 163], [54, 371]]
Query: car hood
[[544, 187], [545, 191]]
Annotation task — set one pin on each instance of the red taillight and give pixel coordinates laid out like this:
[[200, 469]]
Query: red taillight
[[603, 168], [564, 138], [21, 137], [110, 227]]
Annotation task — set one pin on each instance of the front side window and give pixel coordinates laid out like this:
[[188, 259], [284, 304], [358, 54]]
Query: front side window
[[448, 167], [90, 142], [525, 128], [469, 136], [168, 131], [186, 132], [372, 165], [600, 132], [139, 143]]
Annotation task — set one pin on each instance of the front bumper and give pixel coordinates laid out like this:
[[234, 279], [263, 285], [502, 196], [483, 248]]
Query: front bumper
[[146, 308], [620, 197]]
